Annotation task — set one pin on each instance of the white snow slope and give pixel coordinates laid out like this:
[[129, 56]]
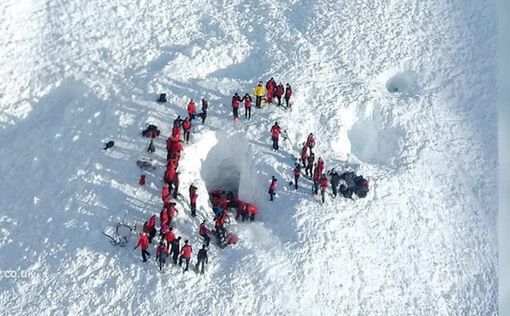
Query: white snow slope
[[78, 73]]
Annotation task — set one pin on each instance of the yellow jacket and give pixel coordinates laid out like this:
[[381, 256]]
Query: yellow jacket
[[259, 91]]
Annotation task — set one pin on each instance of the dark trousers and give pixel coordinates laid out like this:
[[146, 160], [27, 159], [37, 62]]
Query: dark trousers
[[193, 209], [162, 260], [186, 136], [247, 112], [152, 234], [187, 262], [145, 253], [287, 100], [201, 262], [315, 187], [235, 111], [204, 115], [271, 195], [296, 178], [323, 195], [334, 188], [175, 255], [275, 142], [279, 97], [258, 101], [207, 240], [308, 169], [176, 191]]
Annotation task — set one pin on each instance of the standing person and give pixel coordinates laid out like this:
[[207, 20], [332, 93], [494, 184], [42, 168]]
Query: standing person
[[288, 94], [202, 258], [175, 249], [309, 166], [186, 127], [316, 180], [175, 182], [165, 194], [143, 243], [310, 142], [270, 87], [335, 180], [149, 228], [185, 254], [164, 218], [162, 254], [304, 154], [297, 173], [251, 211], [320, 165], [169, 236], [219, 225], [324, 185], [275, 133], [236, 101], [205, 233], [247, 106], [141, 181], [193, 199], [259, 91], [205, 105], [278, 93], [177, 122], [192, 109], [272, 188]]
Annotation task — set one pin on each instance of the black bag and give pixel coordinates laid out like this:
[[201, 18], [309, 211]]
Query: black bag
[[162, 97]]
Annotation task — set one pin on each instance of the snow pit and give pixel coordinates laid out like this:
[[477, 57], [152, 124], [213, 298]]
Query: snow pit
[[227, 165], [402, 82], [373, 143]]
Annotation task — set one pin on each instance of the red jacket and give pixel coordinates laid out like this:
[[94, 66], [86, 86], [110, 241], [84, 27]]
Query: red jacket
[[143, 242], [272, 186], [204, 231], [324, 183], [141, 181], [247, 101], [186, 125], [170, 173], [193, 196], [161, 249], [320, 165], [252, 209], [176, 133], [236, 100], [316, 174], [163, 217], [186, 251], [177, 147], [279, 91], [171, 211], [169, 236], [310, 141], [192, 108], [275, 131], [304, 152], [288, 92], [152, 222], [165, 195]]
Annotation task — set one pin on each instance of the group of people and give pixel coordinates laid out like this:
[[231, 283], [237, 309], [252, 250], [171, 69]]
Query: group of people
[[315, 171], [270, 91]]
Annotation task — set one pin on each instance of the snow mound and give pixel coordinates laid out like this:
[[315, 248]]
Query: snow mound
[[402, 82]]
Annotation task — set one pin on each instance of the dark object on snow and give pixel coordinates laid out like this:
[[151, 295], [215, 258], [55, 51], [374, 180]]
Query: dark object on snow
[[162, 97], [345, 191], [151, 147], [109, 145], [353, 184], [151, 131], [145, 165]]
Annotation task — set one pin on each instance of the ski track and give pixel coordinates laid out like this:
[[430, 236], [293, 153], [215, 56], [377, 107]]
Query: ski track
[[78, 74]]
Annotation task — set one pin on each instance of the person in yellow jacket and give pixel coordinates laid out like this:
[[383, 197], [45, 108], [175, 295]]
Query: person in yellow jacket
[[259, 91]]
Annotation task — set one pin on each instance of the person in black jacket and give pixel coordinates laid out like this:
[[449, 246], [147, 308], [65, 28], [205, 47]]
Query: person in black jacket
[[335, 180], [202, 259], [205, 105], [175, 249]]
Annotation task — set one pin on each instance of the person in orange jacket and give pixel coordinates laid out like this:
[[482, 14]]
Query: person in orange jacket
[[143, 243], [324, 185], [185, 254]]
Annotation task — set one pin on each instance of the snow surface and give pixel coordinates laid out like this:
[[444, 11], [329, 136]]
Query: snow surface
[[79, 73]]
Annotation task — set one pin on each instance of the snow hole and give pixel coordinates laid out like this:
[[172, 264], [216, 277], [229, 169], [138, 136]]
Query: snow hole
[[402, 82], [228, 165]]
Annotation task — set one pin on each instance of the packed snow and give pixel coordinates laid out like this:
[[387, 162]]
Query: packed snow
[[402, 92]]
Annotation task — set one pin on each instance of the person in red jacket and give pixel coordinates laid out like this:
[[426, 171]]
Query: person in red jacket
[[272, 188], [304, 154], [185, 254], [320, 165], [143, 243], [171, 211], [236, 101], [193, 199], [241, 210], [141, 181], [251, 211], [275, 134], [205, 233], [186, 127], [164, 218], [316, 179], [219, 225], [310, 142], [324, 185], [297, 173], [149, 227], [288, 94], [169, 235], [162, 254], [176, 133], [278, 93], [192, 109], [247, 106], [270, 87], [165, 194]]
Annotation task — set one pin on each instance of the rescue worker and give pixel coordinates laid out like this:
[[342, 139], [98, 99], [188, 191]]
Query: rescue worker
[[297, 173], [192, 109], [202, 259], [143, 243], [275, 134], [186, 127], [288, 94], [247, 106], [236, 101], [259, 91], [205, 233], [270, 87], [324, 185], [193, 199], [174, 251], [185, 254], [272, 188], [161, 254], [309, 166], [278, 93]]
